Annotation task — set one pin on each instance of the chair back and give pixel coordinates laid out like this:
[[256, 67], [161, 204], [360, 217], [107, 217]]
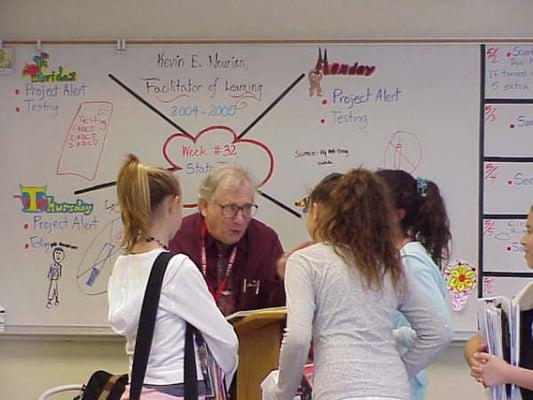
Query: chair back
[[60, 389]]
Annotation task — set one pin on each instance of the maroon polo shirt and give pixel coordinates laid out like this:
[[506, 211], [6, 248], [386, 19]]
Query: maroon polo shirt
[[254, 280]]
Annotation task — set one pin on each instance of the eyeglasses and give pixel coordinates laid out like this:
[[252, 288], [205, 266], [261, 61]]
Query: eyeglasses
[[231, 210]]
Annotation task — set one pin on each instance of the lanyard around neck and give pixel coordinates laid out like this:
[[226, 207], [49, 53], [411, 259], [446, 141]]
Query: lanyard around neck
[[218, 292]]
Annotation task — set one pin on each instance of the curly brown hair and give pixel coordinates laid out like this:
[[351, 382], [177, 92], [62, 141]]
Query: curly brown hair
[[356, 220]]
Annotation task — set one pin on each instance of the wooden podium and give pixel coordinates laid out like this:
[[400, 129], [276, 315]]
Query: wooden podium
[[259, 333]]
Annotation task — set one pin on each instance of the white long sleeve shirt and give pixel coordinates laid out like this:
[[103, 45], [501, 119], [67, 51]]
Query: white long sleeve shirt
[[184, 297]]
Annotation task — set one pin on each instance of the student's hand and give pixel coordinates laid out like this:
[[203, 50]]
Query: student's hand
[[489, 369], [282, 261], [475, 344]]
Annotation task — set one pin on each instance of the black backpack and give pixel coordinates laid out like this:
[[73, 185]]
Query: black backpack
[[104, 386]]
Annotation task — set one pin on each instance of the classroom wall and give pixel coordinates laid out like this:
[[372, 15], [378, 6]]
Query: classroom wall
[[273, 19], [29, 365]]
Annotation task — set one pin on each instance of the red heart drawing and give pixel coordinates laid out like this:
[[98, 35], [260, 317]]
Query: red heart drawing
[[199, 148]]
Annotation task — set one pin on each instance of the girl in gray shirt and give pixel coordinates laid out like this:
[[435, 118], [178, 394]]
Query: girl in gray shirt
[[343, 291]]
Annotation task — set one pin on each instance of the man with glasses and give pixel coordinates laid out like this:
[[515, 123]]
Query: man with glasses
[[236, 253]]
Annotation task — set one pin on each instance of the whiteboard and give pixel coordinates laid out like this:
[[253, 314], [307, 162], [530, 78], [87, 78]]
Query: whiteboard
[[192, 107]]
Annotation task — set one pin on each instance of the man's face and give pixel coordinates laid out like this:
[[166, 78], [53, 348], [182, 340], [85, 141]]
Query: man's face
[[527, 241], [227, 230]]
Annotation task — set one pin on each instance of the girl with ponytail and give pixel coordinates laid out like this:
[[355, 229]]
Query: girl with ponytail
[[342, 292], [423, 239], [150, 208]]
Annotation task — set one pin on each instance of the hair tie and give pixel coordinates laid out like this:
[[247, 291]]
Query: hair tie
[[421, 186]]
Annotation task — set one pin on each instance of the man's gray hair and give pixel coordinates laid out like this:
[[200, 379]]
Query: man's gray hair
[[229, 175]]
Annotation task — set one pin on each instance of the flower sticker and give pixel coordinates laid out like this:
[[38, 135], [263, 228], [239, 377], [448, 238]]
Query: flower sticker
[[460, 277]]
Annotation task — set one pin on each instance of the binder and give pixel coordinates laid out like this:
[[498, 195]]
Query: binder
[[524, 326], [506, 326]]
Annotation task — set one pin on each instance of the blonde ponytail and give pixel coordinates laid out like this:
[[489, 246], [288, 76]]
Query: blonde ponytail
[[140, 190]]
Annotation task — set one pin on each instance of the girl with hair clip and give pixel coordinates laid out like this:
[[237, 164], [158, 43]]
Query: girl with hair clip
[[342, 292], [150, 208], [423, 240]]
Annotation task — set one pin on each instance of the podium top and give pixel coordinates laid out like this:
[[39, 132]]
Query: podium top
[[251, 320]]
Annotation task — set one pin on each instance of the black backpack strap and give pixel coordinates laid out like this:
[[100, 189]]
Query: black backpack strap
[[145, 331], [191, 385]]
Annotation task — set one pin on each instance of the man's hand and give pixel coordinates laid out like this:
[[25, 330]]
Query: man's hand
[[282, 261]]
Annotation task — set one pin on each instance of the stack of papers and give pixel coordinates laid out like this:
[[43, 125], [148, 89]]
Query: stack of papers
[[494, 319], [499, 324]]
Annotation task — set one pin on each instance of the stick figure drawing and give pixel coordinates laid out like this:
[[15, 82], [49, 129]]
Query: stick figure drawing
[[55, 271], [54, 274]]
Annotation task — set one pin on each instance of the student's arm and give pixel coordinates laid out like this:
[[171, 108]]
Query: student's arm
[[473, 345], [297, 337], [430, 284], [273, 293], [195, 304], [492, 371], [432, 335]]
